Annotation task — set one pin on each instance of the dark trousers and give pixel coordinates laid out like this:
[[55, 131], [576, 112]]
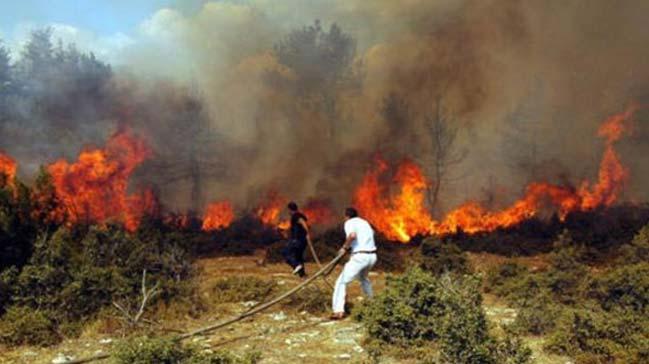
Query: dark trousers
[[293, 252]]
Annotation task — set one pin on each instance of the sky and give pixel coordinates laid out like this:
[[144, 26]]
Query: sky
[[102, 26]]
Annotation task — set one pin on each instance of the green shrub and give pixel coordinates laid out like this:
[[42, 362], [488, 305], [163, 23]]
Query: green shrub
[[594, 334], [567, 275], [500, 278], [25, 326], [537, 316], [625, 287], [7, 282], [515, 284], [417, 309], [242, 288], [165, 351], [637, 250], [438, 257], [73, 274], [405, 311]]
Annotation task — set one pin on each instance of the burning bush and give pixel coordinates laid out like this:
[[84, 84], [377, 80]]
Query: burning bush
[[418, 309]]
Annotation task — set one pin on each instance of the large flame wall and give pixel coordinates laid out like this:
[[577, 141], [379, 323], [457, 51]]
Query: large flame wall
[[403, 214]]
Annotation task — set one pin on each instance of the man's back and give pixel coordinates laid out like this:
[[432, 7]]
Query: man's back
[[364, 234], [297, 231]]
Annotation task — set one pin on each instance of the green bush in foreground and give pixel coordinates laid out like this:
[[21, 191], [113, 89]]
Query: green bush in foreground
[[537, 317], [73, 274], [164, 351], [417, 309], [26, 326], [625, 287], [596, 336]]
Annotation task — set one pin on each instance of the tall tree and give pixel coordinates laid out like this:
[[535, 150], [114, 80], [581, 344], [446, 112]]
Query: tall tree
[[321, 61], [191, 154], [38, 55]]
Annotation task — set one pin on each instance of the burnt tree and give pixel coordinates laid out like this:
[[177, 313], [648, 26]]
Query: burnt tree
[[444, 151], [191, 150]]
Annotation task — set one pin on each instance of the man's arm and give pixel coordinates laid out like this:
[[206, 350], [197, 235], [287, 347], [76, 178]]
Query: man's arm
[[302, 222], [348, 243]]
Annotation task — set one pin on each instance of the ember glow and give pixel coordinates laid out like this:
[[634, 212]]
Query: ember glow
[[218, 215], [401, 213], [94, 188], [7, 168]]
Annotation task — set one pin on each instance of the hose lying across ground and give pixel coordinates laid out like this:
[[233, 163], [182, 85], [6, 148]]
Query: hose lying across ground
[[324, 271]]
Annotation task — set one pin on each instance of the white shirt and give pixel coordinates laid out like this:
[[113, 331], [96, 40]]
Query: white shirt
[[364, 234]]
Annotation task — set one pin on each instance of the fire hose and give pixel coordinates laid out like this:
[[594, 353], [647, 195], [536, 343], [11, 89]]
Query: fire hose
[[323, 272]]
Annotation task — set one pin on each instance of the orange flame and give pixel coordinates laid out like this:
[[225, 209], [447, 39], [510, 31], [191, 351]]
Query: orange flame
[[318, 212], [403, 214], [218, 215], [94, 188], [269, 210], [7, 168]]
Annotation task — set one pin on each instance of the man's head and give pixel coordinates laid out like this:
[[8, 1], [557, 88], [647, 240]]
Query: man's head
[[350, 212], [292, 206]]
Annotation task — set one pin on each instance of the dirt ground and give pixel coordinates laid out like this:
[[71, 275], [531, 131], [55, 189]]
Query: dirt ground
[[282, 336]]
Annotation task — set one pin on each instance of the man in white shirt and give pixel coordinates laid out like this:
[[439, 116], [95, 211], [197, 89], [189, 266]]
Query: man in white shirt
[[360, 240]]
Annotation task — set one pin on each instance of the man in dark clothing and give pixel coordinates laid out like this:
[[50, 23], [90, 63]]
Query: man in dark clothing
[[298, 238]]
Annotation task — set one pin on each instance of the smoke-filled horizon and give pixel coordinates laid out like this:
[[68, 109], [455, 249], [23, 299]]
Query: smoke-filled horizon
[[238, 98]]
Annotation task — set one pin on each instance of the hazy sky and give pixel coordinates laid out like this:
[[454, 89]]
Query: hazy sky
[[103, 26]]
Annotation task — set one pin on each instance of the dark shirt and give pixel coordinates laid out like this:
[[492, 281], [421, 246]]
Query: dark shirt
[[297, 230]]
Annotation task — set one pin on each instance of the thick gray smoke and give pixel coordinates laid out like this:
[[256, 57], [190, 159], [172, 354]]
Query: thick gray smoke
[[239, 97]]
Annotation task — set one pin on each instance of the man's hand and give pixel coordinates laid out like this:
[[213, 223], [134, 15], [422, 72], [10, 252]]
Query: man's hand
[[342, 251]]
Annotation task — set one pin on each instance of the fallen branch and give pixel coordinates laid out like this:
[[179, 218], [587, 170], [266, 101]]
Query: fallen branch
[[134, 319]]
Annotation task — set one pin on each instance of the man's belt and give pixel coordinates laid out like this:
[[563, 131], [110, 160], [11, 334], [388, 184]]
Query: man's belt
[[364, 252]]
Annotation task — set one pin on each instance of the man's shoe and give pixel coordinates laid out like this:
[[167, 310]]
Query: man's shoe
[[337, 316], [298, 269]]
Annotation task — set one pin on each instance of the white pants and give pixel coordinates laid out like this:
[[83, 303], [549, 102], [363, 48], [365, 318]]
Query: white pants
[[357, 267]]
